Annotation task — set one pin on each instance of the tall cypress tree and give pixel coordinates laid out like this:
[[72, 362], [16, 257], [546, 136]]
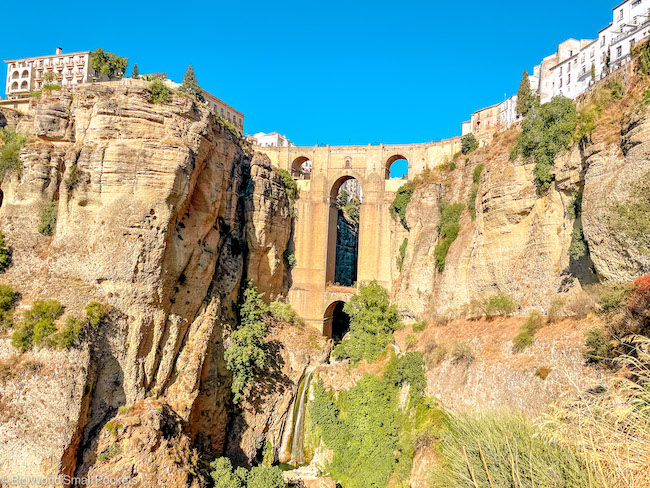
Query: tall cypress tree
[[526, 99], [135, 74], [190, 85]]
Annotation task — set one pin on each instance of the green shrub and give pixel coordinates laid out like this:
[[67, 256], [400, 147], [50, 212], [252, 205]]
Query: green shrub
[[289, 258], [420, 326], [503, 450], [224, 476], [96, 312], [617, 89], [284, 312], [478, 171], [628, 221], [246, 356], [74, 177], [614, 298], [108, 64], [555, 309], [8, 299], [10, 152], [471, 204], [50, 87], [598, 347], [408, 368], [500, 304], [37, 325], [411, 341], [158, 92], [578, 247], [113, 427], [402, 253], [372, 322], [546, 132], [526, 336], [5, 255], [109, 453], [47, 223], [290, 185], [468, 144], [575, 208], [70, 333], [401, 201], [448, 229]]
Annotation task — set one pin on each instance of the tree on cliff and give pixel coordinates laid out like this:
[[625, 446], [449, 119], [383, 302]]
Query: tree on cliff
[[372, 322], [526, 99], [190, 84], [135, 74], [108, 64], [246, 356]]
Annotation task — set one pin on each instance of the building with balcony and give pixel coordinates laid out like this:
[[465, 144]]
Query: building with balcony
[[272, 139], [25, 75]]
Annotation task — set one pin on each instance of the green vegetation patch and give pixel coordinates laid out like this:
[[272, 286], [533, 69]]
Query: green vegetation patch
[[372, 322], [285, 312], [371, 436], [401, 201], [402, 253], [12, 144], [108, 64], [158, 92], [5, 254], [476, 180], [8, 299], [526, 336], [47, 222], [546, 132], [225, 476], [468, 144], [37, 325], [448, 228], [246, 356]]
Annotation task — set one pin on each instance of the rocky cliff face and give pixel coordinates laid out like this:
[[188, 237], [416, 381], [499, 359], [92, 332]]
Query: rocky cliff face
[[152, 220], [520, 238]]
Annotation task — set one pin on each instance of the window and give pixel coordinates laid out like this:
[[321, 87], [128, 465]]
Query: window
[[568, 79], [568, 68], [584, 69], [583, 58], [603, 40], [592, 55], [560, 82], [620, 15], [632, 42], [637, 3], [619, 51]]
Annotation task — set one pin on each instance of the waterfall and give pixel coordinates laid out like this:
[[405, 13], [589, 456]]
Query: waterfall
[[298, 434]]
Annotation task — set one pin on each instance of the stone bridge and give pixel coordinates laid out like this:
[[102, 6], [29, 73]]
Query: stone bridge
[[313, 293]]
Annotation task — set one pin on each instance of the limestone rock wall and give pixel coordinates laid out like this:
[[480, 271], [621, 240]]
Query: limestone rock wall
[[152, 220], [519, 241]]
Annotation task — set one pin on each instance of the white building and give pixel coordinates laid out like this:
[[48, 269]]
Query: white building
[[570, 75], [26, 75], [272, 139]]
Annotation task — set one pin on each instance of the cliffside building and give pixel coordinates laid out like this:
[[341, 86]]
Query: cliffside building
[[25, 75], [272, 139]]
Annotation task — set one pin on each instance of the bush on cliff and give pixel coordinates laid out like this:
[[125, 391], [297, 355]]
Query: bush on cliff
[[12, 143], [449, 227], [47, 223], [526, 336], [476, 180], [246, 356], [8, 299], [225, 476], [372, 437], [372, 322], [546, 132], [159, 93], [37, 325], [468, 144], [5, 254], [401, 201], [108, 64]]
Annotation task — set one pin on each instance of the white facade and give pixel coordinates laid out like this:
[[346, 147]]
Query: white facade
[[272, 140], [630, 25], [26, 75]]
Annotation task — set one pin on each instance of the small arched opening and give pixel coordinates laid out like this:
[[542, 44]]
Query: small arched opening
[[23, 85], [397, 166], [14, 86], [301, 168], [25, 74], [343, 232], [336, 323]]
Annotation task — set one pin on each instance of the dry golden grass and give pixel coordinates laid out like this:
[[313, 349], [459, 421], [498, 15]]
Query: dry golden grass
[[609, 424]]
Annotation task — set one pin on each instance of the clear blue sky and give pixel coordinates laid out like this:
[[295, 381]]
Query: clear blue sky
[[330, 72]]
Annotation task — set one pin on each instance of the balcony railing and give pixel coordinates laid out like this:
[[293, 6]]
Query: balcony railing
[[639, 23]]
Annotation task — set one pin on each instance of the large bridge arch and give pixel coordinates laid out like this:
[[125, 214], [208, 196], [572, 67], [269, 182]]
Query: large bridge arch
[[313, 289]]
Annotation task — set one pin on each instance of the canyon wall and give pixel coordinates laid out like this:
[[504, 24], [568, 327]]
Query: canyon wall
[[161, 214], [519, 241]]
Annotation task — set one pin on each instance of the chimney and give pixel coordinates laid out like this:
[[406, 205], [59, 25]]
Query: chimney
[[59, 50]]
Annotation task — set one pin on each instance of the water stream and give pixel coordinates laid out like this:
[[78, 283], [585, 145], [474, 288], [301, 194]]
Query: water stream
[[298, 433]]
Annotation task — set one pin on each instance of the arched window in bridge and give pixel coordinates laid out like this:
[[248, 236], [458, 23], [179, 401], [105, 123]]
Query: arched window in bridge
[[301, 168], [397, 166]]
